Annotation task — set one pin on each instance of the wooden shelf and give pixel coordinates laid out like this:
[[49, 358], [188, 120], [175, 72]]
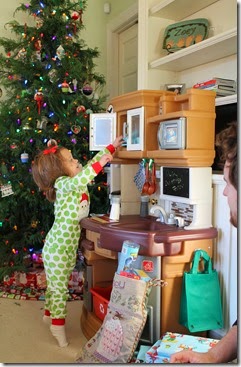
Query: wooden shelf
[[226, 100], [178, 9], [174, 115], [211, 49], [133, 154]]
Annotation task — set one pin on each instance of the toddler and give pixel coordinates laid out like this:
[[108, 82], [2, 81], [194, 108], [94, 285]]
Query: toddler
[[64, 182]]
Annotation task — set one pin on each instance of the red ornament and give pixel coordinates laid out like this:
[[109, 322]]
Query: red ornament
[[80, 109], [75, 15], [38, 97]]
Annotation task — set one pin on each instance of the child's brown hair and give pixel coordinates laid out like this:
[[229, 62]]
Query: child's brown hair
[[47, 166]]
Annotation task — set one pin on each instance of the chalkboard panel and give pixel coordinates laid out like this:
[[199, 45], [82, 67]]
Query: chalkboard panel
[[176, 181]]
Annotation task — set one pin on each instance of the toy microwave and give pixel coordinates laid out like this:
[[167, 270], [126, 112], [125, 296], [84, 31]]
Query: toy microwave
[[172, 134]]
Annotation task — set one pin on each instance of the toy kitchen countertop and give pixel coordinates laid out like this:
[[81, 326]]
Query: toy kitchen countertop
[[154, 238]]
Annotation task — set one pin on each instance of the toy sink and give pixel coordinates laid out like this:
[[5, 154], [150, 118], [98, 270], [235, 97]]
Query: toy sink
[[155, 238]]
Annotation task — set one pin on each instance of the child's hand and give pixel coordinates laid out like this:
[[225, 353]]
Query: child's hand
[[118, 141], [105, 159]]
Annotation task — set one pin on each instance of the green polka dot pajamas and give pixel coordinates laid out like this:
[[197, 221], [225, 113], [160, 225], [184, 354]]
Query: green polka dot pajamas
[[61, 243]]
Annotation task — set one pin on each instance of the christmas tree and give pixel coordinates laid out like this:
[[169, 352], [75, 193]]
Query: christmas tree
[[51, 87]]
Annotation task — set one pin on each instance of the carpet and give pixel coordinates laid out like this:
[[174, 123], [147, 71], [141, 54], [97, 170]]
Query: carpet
[[24, 338]]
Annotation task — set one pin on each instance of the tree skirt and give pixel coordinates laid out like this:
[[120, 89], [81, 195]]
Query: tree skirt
[[32, 286]]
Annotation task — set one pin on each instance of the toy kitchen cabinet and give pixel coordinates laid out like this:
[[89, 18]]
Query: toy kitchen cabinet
[[133, 110], [140, 114], [197, 108]]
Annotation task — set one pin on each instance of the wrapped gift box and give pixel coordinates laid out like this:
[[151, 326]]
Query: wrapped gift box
[[19, 278], [171, 343], [41, 282], [36, 278], [76, 281]]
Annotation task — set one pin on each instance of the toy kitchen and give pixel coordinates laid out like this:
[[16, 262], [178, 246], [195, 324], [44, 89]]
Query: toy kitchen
[[179, 219]]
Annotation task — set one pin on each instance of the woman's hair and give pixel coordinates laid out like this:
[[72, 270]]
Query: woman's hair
[[47, 166], [226, 142]]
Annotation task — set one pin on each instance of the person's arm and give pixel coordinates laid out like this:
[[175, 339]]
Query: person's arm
[[224, 351], [110, 149], [85, 176]]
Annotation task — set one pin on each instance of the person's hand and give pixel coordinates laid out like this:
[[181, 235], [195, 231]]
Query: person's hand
[[189, 356], [105, 159], [118, 141]]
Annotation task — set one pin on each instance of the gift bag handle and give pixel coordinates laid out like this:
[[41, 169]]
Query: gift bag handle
[[198, 255]]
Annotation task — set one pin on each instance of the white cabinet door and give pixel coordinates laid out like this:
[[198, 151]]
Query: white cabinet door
[[135, 129], [102, 130]]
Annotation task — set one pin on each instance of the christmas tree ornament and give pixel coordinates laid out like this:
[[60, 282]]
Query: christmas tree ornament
[[38, 97], [34, 224], [60, 52], [24, 157], [13, 145], [22, 54], [39, 22], [52, 142], [6, 190], [89, 111], [42, 123], [80, 109], [76, 129], [69, 38], [37, 56], [87, 90], [52, 75], [73, 86], [75, 16], [65, 87], [37, 45]]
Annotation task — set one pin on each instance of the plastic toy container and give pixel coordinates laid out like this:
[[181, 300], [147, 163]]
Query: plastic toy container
[[101, 297]]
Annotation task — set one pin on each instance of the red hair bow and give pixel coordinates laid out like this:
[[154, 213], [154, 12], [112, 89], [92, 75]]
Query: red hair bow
[[51, 150]]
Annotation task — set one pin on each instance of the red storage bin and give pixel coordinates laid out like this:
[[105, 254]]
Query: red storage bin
[[101, 297]]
